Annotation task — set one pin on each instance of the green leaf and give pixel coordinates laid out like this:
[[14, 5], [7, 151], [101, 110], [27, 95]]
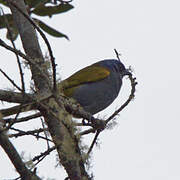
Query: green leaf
[[51, 10], [3, 19], [7, 18], [3, 2], [36, 3], [50, 30]]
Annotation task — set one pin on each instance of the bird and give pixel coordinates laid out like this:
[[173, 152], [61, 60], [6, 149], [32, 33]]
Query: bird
[[94, 87]]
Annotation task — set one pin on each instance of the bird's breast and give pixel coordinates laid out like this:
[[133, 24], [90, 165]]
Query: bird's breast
[[96, 96]]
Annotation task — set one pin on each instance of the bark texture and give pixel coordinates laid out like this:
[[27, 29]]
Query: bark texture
[[58, 120]]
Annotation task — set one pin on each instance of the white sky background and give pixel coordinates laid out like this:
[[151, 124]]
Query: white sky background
[[145, 145]]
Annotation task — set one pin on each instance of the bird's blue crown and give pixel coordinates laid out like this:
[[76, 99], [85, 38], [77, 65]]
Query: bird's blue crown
[[114, 64]]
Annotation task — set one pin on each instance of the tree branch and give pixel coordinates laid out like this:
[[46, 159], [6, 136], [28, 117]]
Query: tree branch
[[23, 119], [55, 115], [45, 153], [14, 97], [131, 97], [30, 45], [17, 57], [13, 155], [11, 81], [34, 133], [45, 39]]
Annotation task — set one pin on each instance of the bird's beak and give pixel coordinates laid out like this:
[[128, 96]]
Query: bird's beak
[[126, 72]]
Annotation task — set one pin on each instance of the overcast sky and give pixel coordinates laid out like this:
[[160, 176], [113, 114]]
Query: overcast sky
[[145, 144]]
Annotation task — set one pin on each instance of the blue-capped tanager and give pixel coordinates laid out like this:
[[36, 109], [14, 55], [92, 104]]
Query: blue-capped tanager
[[94, 87]]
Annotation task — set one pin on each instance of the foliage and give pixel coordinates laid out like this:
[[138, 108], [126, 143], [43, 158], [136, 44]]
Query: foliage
[[38, 8]]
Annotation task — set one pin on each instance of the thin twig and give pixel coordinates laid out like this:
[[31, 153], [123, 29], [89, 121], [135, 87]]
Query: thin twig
[[45, 39], [23, 119], [17, 57], [91, 130], [14, 120], [40, 159], [82, 124], [45, 133], [12, 82], [94, 141], [14, 156], [44, 153], [117, 54], [28, 59], [33, 133], [131, 96], [65, 1]]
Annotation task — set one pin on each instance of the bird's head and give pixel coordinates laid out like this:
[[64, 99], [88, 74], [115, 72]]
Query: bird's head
[[115, 66]]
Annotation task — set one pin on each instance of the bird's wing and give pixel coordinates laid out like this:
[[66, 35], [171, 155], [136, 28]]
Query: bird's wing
[[89, 74]]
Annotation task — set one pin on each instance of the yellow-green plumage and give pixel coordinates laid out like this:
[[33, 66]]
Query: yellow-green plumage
[[95, 87], [88, 74]]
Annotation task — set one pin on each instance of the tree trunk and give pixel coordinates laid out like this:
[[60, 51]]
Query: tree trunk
[[57, 119]]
